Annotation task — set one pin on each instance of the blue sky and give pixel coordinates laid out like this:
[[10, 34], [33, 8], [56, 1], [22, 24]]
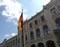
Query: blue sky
[[10, 11]]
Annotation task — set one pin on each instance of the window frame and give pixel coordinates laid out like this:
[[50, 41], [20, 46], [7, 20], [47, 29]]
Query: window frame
[[42, 18], [31, 35], [38, 32]]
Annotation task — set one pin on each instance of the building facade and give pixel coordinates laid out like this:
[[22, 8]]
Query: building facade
[[42, 30]]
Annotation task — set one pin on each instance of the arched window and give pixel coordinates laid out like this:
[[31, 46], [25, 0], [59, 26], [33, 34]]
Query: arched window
[[38, 32], [40, 44], [32, 35], [33, 45], [45, 28], [58, 22], [50, 43], [36, 22]]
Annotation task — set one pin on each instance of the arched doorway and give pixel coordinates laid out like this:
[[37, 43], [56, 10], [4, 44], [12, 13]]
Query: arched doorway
[[40, 45], [33, 45], [50, 43]]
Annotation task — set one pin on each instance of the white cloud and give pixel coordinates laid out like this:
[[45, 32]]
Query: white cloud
[[10, 35], [12, 10], [13, 34]]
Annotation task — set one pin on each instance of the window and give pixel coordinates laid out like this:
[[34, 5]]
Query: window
[[18, 39], [13, 42], [58, 22], [45, 28], [9, 44], [30, 25], [31, 35], [36, 22], [26, 37], [38, 32], [53, 11], [42, 18]]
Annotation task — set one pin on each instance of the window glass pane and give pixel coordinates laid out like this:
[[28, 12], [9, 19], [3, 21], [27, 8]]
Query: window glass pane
[[36, 22], [31, 35], [58, 22], [42, 18], [45, 28], [38, 32], [18, 39], [53, 11], [26, 37], [30, 25]]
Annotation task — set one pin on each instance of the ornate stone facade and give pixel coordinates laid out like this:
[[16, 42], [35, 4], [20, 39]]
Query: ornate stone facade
[[39, 31]]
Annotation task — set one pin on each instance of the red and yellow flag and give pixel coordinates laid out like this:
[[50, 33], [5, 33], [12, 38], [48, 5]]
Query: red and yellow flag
[[20, 22]]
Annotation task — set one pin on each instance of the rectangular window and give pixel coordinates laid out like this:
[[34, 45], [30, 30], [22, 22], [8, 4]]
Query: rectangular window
[[38, 33], [31, 35], [36, 22], [54, 11], [14, 42], [26, 37], [30, 25], [42, 18], [18, 40]]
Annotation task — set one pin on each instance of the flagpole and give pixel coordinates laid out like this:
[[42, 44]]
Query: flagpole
[[20, 27], [22, 31]]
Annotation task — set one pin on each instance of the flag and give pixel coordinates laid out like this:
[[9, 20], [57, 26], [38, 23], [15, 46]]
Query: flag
[[20, 22]]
